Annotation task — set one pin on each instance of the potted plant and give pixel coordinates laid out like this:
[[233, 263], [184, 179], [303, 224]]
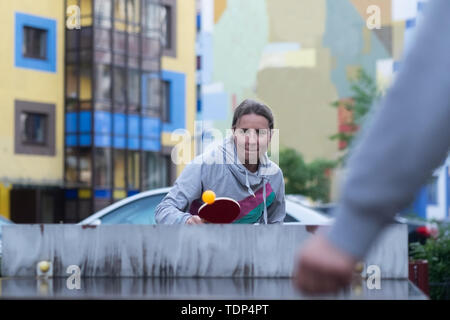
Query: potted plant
[[436, 252]]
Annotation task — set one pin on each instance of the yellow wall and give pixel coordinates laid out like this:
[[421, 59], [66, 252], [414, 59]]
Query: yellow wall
[[185, 62], [30, 85], [4, 200]]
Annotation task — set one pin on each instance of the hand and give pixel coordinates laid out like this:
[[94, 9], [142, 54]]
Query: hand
[[322, 268], [195, 220]]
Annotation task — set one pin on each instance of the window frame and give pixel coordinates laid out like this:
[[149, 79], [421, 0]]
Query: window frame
[[48, 148], [171, 51], [50, 25]]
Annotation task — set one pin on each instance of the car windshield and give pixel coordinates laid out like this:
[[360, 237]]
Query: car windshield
[[141, 211]]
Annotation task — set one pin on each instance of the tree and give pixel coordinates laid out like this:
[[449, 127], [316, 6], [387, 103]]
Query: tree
[[365, 94], [311, 180]]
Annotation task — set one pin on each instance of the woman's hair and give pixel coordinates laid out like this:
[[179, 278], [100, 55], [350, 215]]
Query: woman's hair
[[249, 106]]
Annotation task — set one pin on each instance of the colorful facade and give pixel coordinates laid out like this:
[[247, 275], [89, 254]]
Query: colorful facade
[[298, 57], [121, 77], [32, 113]]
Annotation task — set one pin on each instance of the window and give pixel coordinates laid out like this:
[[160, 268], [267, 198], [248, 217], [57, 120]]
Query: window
[[165, 116], [119, 85], [141, 211], [34, 131], [33, 126], [153, 93], [133, 87], [199, 62], [85, 166], [152, 20], [160, 23], [85, 82], [156, 171], [133, 170], [71, 82], [103, 84], [119, 10], [289, 218], [34, 43], [102, 12], [71, 165], [432, 190], [102, 168], [166, 27], [169, 35], [119, 169], [199, 98]]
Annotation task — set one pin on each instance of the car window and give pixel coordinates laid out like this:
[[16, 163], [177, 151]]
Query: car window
[[141, 211], [289, 218]]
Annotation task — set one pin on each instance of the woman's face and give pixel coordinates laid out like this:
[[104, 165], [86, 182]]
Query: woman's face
[[252, 137]]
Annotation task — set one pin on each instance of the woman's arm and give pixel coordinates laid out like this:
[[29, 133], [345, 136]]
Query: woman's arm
[[187, 188]]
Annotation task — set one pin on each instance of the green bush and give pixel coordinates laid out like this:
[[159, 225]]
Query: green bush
[[308, 179], [437, 252]]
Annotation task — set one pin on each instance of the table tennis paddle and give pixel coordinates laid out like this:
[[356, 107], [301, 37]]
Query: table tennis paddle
[[222, 210]]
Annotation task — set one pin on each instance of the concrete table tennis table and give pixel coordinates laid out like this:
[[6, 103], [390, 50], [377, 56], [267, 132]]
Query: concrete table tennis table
[[209, 262]]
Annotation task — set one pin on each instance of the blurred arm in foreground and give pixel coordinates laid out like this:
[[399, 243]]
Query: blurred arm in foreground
[[409, 137]]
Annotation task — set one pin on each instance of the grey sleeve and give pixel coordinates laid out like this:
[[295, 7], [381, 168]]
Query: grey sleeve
[[187, 188], [277, 210], [409, 137]]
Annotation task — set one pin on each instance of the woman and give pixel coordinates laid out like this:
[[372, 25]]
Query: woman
[[239, 169]]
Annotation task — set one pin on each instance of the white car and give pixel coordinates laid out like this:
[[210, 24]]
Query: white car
[[140, 209]]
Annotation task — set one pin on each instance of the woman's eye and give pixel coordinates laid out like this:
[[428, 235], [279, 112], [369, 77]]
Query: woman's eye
[[262, 132]]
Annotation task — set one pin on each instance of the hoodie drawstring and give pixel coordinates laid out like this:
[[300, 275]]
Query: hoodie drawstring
[[247, 184], [264, 197]]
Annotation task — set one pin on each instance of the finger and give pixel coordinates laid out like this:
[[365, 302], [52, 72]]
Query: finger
[[198, 220], [305, 279], [313, 280]]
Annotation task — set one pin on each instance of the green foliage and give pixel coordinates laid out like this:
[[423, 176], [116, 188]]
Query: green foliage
[[437, 252], [364, 94], [307, 179]]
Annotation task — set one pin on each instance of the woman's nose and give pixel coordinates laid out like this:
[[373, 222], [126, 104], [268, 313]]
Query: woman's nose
[[252, 136]]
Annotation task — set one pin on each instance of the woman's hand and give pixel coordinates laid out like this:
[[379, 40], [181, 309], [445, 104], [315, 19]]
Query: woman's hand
[[195, 220]]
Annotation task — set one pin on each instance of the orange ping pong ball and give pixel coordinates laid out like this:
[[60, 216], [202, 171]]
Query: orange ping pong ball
[[209, 196]]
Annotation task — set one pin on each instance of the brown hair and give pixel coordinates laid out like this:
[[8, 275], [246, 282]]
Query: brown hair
[[249, 106]]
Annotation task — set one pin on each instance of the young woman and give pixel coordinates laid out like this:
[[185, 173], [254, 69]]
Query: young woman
[[239, 169]]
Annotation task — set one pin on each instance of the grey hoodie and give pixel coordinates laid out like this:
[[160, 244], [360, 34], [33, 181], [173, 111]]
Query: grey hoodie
[[260, 194], [408, 138]]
